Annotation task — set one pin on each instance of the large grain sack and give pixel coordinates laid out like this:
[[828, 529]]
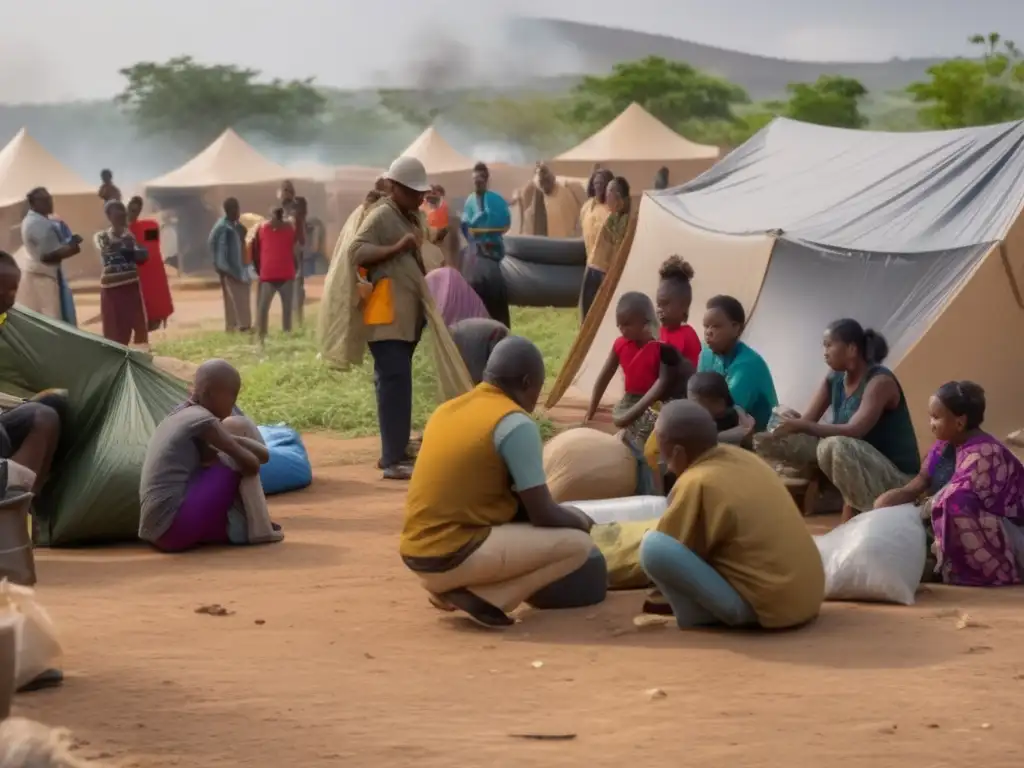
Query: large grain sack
[[583, 464]]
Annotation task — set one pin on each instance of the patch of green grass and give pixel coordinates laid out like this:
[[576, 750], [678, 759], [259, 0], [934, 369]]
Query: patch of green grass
[[286, 382]]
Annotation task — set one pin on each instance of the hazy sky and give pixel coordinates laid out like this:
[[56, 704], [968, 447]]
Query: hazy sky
[[66, 49]]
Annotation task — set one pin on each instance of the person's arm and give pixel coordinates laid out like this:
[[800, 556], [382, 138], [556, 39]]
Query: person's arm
[[604, 378], [367, 250], [819, 403], [517, 439], [909, 493], [879, 392], [213, 240], [739, 434], [684, 518], [745, 382], [258, 449], [218, 437]]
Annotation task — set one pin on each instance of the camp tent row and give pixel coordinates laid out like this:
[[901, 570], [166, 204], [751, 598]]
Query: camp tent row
[[25, 164], [918, 235]]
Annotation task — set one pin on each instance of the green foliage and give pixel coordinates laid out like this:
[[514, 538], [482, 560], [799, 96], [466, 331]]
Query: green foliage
[[966, 92], [672, 91], [533, 122], [193, 103], [831, 100]]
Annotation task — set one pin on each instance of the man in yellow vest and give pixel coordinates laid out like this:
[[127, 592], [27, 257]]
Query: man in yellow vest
[[481, 530]]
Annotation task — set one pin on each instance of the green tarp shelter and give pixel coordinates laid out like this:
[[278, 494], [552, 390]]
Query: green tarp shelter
[[116, 396]]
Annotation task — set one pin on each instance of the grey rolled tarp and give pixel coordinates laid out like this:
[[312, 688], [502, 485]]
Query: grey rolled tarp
[[543, 271]]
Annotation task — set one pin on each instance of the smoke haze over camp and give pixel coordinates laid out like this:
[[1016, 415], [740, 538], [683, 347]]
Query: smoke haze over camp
[[65, 50]]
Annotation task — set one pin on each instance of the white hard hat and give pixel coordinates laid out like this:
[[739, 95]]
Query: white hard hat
[[410, 173]]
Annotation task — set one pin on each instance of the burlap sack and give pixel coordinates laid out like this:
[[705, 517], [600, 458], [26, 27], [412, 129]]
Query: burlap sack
[[583, 464]]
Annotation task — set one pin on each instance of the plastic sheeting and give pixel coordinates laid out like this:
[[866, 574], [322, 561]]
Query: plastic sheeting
[[806, 288], [117, 397], [863, 190]]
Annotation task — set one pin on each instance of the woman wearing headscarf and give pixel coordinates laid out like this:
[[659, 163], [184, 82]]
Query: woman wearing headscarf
[[124, 314]]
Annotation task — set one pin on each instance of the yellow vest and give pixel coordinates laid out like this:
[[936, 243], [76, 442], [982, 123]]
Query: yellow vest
[[460, 487]]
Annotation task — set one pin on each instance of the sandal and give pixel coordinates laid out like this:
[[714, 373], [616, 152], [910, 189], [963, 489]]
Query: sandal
[[477, 609]]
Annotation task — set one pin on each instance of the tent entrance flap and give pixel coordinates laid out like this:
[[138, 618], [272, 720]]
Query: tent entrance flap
[[807, 286]]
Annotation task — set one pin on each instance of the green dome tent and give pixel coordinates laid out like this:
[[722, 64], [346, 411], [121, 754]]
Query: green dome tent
[[116, 398]]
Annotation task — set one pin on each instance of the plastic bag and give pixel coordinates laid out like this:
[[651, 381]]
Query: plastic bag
[[878, 556], [583, 464], [623, 510], [36, 643]]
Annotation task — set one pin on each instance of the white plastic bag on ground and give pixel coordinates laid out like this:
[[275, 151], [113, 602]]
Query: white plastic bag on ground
[[877, 557], [623, 510], [37, 647]]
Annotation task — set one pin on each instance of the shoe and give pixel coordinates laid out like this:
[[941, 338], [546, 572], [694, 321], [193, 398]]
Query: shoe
[[477, 609], [398, 472]]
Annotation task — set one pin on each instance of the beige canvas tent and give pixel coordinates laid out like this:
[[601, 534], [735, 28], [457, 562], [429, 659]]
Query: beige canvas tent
[[635, 145], [25, 164], [190, 197], [454, 171], [917, 235]]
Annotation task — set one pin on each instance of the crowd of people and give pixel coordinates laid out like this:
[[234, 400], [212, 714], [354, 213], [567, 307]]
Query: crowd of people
[[482, 532]]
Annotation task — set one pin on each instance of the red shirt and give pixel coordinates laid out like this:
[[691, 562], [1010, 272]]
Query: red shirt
[[156, 291], [640, 363], [277, 253], [685, 339]]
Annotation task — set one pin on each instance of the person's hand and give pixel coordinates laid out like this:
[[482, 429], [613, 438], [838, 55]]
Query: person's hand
[[442, 233], [790, 426], [407, 243], [585, 522], [747, 422], [73, 248], [76, 239], [622, 421], [888, 499]]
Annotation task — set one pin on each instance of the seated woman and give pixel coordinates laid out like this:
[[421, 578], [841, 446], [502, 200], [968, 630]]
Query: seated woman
[[653, 371], [203, 463], [732, 547], [870, 446], [750, 381], [455, 298], [477, 542], [976, 490]]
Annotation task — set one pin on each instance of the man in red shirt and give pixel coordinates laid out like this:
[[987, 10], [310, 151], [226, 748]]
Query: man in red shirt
[[273, 255]]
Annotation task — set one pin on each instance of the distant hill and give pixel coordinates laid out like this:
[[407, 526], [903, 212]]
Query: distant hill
[[600, 48]]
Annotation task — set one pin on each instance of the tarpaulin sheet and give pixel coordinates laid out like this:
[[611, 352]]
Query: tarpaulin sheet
[[863, 190], [116, 397], [806, 288]]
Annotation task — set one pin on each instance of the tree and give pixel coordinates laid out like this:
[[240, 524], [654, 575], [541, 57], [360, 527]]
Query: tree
[[831, 100], [966, 92], [672, 91], [532, 122], [193, 103]]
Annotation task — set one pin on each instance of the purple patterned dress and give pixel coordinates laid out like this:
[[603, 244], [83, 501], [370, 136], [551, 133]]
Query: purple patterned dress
[[976, 515]]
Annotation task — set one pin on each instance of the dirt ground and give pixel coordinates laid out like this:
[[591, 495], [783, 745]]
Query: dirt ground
[[331, 656]]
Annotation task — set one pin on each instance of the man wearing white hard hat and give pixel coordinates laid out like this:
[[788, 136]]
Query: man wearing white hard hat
[[391, 233]]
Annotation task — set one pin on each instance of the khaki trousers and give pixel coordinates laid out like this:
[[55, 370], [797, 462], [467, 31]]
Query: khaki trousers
[[237, 304], [514, 562]]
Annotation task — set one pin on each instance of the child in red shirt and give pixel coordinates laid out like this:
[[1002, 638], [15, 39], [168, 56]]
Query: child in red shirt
[[275, 262], [675, 295], [653, 372]]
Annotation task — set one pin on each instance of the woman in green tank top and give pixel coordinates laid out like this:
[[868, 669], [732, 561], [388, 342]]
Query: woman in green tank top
[[868, 445]]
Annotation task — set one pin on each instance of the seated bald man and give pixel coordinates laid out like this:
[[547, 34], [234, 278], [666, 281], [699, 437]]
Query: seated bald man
[[732, 547], [200, 479], [481, 530]]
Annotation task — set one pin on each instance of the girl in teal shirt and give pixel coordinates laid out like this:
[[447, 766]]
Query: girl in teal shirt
[[746, 372]]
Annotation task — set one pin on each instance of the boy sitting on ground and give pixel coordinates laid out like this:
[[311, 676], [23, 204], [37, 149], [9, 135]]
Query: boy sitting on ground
[[200, 479]]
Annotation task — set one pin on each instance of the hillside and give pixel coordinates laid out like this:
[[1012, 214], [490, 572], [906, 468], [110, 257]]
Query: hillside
[[599, 48]]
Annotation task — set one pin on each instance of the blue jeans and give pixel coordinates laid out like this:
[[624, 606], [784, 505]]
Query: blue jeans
[[699, 596]]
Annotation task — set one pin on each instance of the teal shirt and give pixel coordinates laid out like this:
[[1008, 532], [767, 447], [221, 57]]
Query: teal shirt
[[750, 381], [893, 433]]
